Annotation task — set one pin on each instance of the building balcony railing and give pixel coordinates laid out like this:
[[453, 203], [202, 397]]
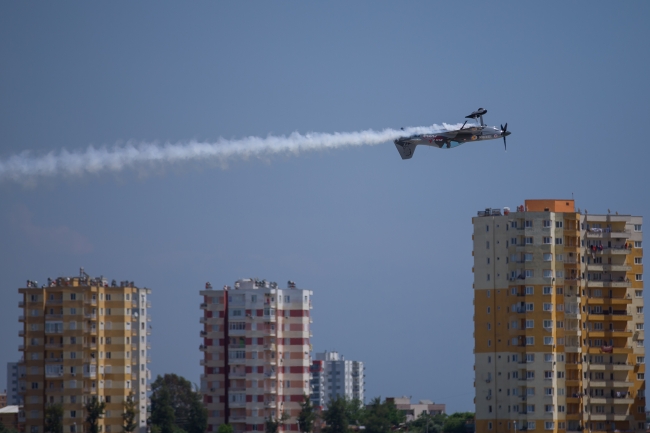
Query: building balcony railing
[[595, 383], [21, 333], [608, 233], [204, 306], [21, 347], [21, 318], [21, 304], [603, 283], [53, 345], [203, 320], [608, 267]]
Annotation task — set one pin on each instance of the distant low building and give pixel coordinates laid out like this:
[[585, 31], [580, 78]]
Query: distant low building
[[3, 399], [12, 418], [413, 410]]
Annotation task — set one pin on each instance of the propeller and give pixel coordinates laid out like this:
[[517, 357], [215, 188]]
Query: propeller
[[505, 133]]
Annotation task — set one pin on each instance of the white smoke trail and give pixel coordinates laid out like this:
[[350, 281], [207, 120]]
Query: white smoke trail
[[23, 166]]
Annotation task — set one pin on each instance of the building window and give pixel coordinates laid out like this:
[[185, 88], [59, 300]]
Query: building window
[[528, 223], [639, 326], [640, 359], [637, 227], [640, 376], [546, 224], [547, 273], [639, 343], [548, 341], [547, 290], [529, 240], [529, 273], [558, 241], [548, 257], [530, 324], [559, 224], [639, 277], [488, 310], [547, 240], [530, 341], [639, 310], [548, 324], [638, 260], [637, 244], [549, 425], [529, 306]]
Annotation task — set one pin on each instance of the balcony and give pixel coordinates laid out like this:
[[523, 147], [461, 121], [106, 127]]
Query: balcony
[[615, 316], [203, 320], [270, 390], [21, 333], [21, 304], [237, 374], [53, 345], [204, 306], [603, 283], [614, 350], [609, 300], [595, 383], [610, 417], [21, 318], [607, 234], [270, 404], [608, 268]]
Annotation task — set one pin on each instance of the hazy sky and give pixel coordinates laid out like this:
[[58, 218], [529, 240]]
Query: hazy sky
[[385, 244]]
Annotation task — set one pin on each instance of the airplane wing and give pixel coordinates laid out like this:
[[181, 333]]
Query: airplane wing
[[405, 148]]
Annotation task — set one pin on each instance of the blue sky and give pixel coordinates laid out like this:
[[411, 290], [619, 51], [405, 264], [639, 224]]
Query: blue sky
[[385, 244]]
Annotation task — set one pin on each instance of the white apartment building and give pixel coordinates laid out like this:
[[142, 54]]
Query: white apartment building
[[332, 376]]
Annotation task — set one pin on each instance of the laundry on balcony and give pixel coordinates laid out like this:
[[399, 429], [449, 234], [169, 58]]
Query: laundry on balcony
[[607, 349]]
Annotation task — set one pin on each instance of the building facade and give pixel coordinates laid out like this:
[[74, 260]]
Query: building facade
[[14, 371], [256, 353], [558, 324], [333, 376], [84, 338]]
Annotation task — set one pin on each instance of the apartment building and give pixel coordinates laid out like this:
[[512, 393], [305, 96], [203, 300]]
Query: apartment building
[[558, 324], [13, 371], [333, 376], [256, 353], [83, 338]]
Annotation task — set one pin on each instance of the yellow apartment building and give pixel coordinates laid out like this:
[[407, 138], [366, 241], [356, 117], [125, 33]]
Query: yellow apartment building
[[83, 337], [558, 320]]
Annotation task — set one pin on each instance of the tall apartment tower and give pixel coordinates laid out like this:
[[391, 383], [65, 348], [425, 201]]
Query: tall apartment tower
[[256, 353], [333, 376], [558, 322], [83, 338]]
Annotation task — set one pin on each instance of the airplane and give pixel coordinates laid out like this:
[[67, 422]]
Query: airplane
[[449, 139]]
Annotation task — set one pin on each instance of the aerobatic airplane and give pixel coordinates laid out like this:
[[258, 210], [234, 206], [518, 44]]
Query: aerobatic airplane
[[406, 145]]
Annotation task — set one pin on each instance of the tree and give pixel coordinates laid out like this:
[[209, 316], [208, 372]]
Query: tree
[[271, 425], [378, 417], [54, 418], [4, 429], [307, 416], [175, 405], [336, 416], [94, 411], [130, 414], [455, 423], [162, 412], [225, 428]]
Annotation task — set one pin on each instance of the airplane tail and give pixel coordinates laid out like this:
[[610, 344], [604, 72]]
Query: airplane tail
[[405, 149]]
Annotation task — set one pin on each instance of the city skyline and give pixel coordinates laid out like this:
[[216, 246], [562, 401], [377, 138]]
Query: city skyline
[[384, 244]]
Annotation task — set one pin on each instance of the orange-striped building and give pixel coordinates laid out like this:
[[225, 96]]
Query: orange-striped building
[[256, 344], [559, 323]]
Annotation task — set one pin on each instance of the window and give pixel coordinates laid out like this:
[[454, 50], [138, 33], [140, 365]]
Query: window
[[529, 273], [488, 277], [640, 359], [530, 374], [639, 326], [530, 324], [530, 290], [487, 228], [487, 245], [547, 240], [559, 257], [639, 310], [559, 224], [530, 408], [639, 343], [560, 374], [528, 257], [530, 357], [639, 277], [637, 244], [560, 324], [559, 290], [529, 240], [530, 425], [548, 357], [488, 260], [640, 376], [108, 297], [548, 306], [558, 241], [513, 241], [548, 341], [546, 224], [638, 260], [488, 310], [559, 274], [548, 324], [637, 227], [529, 306], [547, 290], [549, 425], [548, 257], [530, 341], [548, 375], [548, 273], [528, 223]]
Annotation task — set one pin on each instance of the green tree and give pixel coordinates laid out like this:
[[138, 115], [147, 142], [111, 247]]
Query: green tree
[[54, 418], [456, 422], [175, 405], [336, 416], [225, 428], [307, 415], [162, 412], [378, 417], [271, 425], [355, 411], [130, 414], [5, 429], [94, 410]]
